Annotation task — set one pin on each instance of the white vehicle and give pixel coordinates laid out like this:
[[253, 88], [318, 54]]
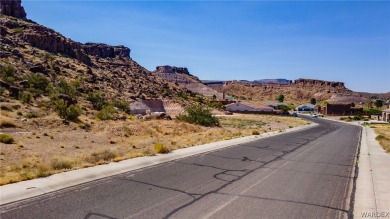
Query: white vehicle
[[314, 116]]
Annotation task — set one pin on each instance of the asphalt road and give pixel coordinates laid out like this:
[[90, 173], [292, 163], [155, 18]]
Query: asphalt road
[[305, 174]]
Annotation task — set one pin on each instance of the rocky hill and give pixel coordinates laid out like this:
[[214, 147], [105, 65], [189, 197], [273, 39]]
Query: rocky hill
[[29, 48], [301, 90], [182, 77]]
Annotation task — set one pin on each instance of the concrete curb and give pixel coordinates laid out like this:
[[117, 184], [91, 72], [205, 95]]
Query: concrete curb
[[31, 188]]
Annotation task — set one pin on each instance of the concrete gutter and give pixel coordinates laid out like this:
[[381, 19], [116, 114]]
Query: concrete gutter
[[31, 188]]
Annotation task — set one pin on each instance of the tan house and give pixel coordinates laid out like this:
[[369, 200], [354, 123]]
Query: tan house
[[386, 115], [248, 107]]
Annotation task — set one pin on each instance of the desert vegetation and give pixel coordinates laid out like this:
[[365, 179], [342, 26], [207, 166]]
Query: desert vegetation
[[44, 145], [383, 135]]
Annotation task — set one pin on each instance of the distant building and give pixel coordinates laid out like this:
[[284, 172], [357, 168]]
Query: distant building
[[341, 110], [147, 106], [247, 107], [386, 115], [308, 107]]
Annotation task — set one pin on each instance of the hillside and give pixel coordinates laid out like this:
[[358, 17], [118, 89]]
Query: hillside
[[31, 48], [182, 77], [299, 91]]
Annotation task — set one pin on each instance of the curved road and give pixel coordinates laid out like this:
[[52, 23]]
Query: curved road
[[305, 174]]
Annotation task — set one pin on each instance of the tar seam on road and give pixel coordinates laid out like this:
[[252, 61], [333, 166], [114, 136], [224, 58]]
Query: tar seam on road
[[250, 187], [262, 166]]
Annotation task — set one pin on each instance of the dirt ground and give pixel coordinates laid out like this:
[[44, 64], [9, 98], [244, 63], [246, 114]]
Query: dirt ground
[[45, 145]]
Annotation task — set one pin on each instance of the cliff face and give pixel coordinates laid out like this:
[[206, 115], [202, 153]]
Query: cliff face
[[12, 8], [313, 82], [171, 69], [49, 40], [105, 51]]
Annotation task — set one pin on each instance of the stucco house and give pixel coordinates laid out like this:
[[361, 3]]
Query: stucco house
[[386, 115], [305, 108], [247, 107], [147, 106]]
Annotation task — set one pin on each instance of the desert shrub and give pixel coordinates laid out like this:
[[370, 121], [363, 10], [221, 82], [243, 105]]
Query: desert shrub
[[105, 155], [217, 105], [280, 98], [16, 107], [97, 100], [121, 104], [71, 112], [18, 30], [199, 115], [64, 87], [284, 108], [38, 82], [161, 149], [31, 115], [7, 73], [6, 139], [25, 97], [60, 164], [6, 108], [255, 133], [380, 137], [106, 113], [7, 124]]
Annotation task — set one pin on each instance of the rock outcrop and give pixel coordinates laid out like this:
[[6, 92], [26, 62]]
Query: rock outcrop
[[105, 51], [171, 69], [313, 82], [12, 8]]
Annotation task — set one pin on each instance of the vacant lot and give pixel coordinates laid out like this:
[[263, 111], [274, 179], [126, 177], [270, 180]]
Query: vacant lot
[[44, 145], [383, 135]]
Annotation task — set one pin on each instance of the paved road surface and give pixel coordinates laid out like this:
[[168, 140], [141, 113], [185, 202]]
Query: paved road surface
[[306, 174]]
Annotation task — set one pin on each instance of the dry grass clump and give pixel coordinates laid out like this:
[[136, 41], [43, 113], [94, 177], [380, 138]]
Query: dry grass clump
[[101, 157], [161, 149], [6, 139], [7, 124], [383, 135]]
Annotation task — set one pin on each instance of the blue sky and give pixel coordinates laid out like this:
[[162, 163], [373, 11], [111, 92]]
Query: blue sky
[[345, 41]]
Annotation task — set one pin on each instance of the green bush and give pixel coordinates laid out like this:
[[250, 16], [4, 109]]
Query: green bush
[[280, 98], [6, 139], [217, 105], [38, 82], [97, 100], [199, 115], [69, 89], [25, 97], [71, 112], [31, 115], [380, 137], [8, 73], [106, 113], [161, 149], [121, 104]]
